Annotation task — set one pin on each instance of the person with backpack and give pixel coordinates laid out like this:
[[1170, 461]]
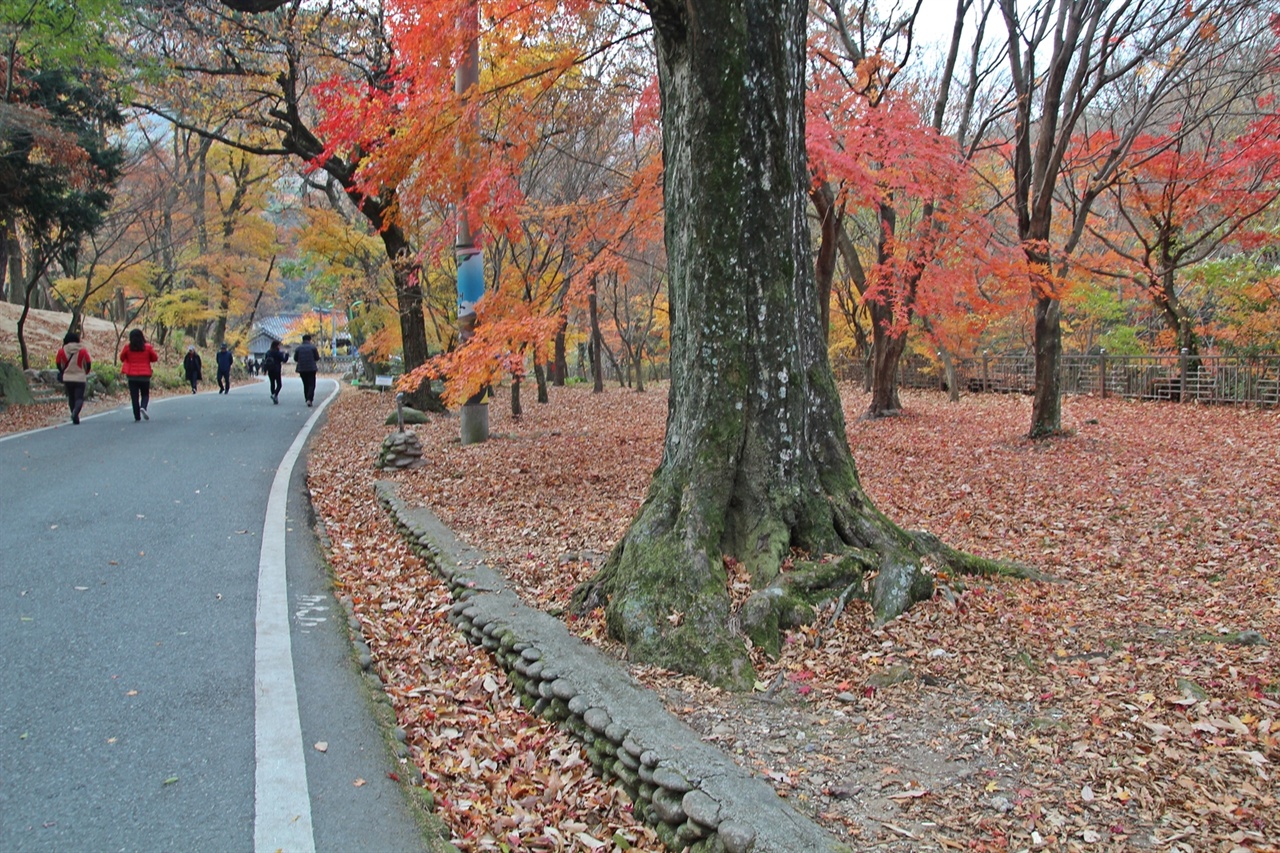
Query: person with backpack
[[272, 363], [74, 364], [135, 363]]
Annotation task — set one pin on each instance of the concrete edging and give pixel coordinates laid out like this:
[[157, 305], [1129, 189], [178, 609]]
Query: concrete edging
[[691, 792]]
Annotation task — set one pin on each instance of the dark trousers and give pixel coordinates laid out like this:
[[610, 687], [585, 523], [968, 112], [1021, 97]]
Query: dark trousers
[[273, 377], [308, 384], [139, 394], [75, 398], [224, 381]]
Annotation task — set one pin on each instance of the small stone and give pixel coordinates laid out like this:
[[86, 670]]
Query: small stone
[[890, 675], [1248, 638], [735, 837], [689, 833], [667, 806], [671, 780], [701, 809], [598, 719], [1192, 690]]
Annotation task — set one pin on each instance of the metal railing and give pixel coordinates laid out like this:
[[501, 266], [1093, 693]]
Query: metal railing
[[1249, 380], [1181, 377], [336, 363]]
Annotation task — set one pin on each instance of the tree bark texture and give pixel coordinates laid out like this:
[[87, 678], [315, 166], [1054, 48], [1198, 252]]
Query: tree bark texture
[[756, 461]]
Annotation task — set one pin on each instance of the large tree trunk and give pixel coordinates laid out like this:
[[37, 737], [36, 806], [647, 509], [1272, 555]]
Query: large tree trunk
[[886, 354], [413, 324], [829, 227], [1046, 401], [756, 461], [1175, 314], [560, 364], [597, 369]]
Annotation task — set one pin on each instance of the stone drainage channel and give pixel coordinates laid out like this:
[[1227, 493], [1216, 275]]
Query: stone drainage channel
[[693, 794]]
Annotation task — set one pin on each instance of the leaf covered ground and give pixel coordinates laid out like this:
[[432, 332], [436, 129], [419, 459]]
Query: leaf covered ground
[[1132, 704]]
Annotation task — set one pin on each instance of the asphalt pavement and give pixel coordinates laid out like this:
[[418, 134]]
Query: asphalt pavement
[[175, 673]]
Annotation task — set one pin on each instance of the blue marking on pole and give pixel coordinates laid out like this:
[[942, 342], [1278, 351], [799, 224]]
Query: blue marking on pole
[[470, 281]]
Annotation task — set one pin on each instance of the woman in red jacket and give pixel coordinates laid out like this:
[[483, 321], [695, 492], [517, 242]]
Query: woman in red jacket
[[135, 363]]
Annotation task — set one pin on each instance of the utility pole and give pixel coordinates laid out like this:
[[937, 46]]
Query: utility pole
[[475, 411]]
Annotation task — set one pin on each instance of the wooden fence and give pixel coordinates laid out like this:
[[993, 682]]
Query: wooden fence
[[1240, 380]]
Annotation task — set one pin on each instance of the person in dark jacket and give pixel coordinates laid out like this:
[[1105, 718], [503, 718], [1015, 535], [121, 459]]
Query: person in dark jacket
[[135, 363], [272, 363], [224, 369], [193, 367], [306, 358], [74, 364]]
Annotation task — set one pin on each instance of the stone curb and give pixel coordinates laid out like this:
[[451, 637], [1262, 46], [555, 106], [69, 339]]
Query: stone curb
[[693, 794]]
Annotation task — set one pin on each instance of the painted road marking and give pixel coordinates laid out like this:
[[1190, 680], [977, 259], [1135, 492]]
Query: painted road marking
[[282, 801], [310, 610]]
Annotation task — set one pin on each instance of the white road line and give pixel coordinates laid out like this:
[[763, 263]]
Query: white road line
[[282, 803]]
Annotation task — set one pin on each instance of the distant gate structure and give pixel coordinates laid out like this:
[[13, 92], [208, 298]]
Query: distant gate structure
[[1177, 377]]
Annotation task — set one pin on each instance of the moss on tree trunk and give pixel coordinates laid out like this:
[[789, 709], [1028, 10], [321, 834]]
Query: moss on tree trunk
[[756, 463]]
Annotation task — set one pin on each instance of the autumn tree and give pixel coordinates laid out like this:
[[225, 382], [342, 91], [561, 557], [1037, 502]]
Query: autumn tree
[[1245, 292], [263, 69], [345, 265], [242, 242], [1208, 181], [885, 170], [58, 162], [123, 255], [1078, 67]]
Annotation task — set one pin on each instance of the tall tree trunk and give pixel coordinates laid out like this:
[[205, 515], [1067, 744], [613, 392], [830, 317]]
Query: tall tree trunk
[[1175, 314], [756, 461], [637, 363], [886, 355], [597, 369], [413, 324], [888, 332], [8, 290], [1046, 401], [17, 278], [560, 366], [540, 377], [829, 229]]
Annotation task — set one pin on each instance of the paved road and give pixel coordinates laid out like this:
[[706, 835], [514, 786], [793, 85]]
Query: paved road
[[165, 672]]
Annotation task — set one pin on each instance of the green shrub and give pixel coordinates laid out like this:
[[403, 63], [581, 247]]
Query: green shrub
[[108, 374], [168, 376]]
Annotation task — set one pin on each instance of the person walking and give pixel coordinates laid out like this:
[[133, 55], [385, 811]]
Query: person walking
[[74, 364], [135, 363], [306, 358], [193, 367], [224, 369], [272, 362]]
